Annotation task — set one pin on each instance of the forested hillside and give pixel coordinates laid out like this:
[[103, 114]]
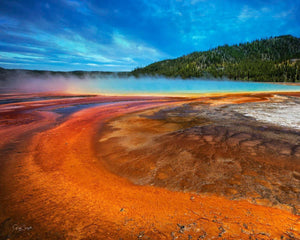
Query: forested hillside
[[273, 60]]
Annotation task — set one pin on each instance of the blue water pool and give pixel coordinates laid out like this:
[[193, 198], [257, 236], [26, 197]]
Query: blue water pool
[[176, 86]]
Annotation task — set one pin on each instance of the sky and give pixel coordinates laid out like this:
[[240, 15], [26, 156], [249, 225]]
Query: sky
[[121, 35]]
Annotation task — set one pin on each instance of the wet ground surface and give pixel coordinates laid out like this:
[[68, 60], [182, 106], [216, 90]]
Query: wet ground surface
[[11, 99], [18, 109], [210, 149], [95, 167], [284, 111]]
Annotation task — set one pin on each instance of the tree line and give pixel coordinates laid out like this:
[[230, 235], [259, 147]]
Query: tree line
[[275, 59]]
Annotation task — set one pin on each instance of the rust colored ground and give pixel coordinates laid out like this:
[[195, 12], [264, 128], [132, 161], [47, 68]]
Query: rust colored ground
[[53, 186]]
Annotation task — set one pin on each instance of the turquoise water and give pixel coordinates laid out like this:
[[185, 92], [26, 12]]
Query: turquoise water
[[178, 86]]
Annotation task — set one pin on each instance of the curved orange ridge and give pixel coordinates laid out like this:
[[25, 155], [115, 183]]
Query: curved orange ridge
[[67, 194]]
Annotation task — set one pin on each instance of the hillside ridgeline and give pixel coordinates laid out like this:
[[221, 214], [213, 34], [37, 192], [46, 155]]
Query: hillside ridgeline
[[269, 60]]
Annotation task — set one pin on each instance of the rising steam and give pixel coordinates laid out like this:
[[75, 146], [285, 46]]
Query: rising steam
[[109, 83]]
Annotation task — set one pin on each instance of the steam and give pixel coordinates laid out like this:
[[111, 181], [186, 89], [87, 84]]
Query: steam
[[85, 82], [32, 82], [27, 83], [119, 84]]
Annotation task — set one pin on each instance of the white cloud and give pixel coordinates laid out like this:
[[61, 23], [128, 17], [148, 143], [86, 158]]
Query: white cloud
[[248, 13], [134, 48], [284, 14], [93, 64]]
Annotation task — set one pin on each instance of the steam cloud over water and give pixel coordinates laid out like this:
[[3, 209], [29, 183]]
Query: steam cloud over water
[[114, 84]]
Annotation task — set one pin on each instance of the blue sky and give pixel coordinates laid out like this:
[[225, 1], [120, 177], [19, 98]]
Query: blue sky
[[120, 35]]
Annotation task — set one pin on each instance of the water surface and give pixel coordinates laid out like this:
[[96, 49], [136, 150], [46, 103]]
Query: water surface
[[178, 86]]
